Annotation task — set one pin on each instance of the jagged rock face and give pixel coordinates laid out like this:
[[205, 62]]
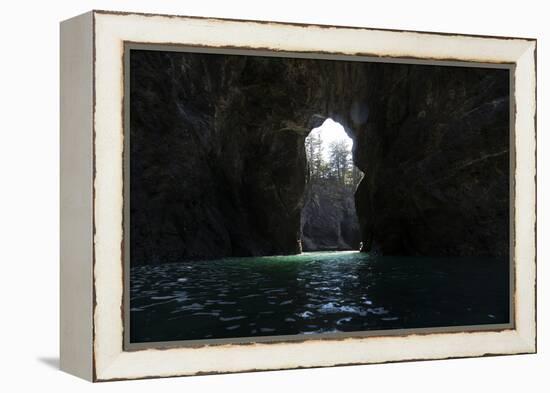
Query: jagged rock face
[[435, 152], [329, 220], [218, 163]]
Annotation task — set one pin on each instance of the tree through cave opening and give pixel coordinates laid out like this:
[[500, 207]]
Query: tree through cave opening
[[329, 219]]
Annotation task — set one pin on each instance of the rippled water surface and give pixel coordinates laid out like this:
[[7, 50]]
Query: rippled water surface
[[313, 293]]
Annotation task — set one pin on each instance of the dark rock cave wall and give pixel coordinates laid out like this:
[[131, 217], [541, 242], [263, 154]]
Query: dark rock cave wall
[[218, 163], [435, 151]]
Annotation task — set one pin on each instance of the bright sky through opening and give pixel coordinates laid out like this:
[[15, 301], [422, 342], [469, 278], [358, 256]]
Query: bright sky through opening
[[331, 131]]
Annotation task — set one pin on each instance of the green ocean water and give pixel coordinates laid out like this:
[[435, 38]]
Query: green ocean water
[[319, 292]]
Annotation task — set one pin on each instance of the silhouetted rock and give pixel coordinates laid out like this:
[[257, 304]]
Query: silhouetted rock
[[435, 152], [218, 165]]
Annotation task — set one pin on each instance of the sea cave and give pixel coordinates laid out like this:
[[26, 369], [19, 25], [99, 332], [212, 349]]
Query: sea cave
[[287, 196], [219, 163]]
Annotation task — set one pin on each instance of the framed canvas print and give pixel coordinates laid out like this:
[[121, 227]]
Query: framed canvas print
[[244, 195]]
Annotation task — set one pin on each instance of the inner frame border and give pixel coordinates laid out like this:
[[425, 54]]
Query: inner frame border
[[128, 46]]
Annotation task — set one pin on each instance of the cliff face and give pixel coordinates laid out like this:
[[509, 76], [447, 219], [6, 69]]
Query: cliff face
[[435, 151], [218, 163], [329, 219]]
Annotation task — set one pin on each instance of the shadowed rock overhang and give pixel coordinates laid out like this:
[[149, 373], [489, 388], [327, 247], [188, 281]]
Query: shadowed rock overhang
[[218, 165]]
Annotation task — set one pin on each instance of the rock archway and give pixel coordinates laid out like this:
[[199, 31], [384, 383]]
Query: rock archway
[[329, 218], [218, 162]]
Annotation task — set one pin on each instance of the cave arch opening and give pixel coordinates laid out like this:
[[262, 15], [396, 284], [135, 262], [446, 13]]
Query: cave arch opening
[[328, 219]]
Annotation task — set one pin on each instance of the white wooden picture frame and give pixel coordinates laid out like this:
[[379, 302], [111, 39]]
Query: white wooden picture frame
[[92, 192]]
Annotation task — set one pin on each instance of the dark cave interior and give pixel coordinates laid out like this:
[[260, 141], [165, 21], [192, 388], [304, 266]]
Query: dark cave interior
[[219, 167]]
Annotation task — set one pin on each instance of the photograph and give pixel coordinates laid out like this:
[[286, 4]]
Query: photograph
[[281, 196], [272, 197]]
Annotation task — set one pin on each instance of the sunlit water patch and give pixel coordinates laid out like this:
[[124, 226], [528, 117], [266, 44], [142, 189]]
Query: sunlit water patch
[[321, 292]]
